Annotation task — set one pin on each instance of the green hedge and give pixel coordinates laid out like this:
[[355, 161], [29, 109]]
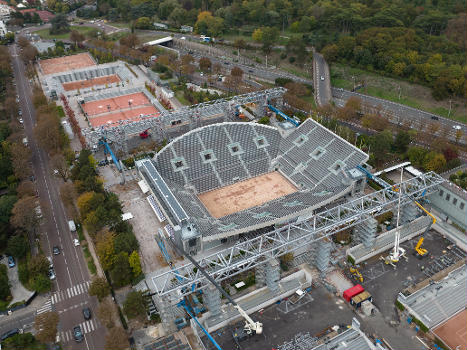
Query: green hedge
[[350, 260], [420, 324], [399, 305]]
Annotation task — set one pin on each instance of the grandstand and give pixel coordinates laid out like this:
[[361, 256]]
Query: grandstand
[[311, 167]]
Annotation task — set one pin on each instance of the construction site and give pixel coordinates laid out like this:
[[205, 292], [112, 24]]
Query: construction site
[[268, 236]]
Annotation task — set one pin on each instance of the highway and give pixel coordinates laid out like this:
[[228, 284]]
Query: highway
[[69, 294], [400, 113]]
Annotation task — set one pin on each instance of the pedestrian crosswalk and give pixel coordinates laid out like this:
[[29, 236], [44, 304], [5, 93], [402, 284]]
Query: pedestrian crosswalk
[[70, 292], [45, 308], [86, 327]]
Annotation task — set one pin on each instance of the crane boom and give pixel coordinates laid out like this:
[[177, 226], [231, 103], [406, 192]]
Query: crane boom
[[250, 325]]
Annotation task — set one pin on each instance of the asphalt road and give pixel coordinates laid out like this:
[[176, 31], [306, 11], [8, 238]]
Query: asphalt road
[[400, 113], [322, 80], [69, 294]]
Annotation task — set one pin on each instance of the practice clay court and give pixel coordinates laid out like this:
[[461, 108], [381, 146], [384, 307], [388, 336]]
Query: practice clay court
[[246, 194], [112, 110], [66, 63], [453, 332], [82, 84]]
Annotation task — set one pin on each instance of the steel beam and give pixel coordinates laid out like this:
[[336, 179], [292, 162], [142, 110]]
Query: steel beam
[[164, 121], [252, 252]]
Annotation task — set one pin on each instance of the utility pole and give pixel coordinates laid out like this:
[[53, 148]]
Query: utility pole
[[400, 92], [450, 107]]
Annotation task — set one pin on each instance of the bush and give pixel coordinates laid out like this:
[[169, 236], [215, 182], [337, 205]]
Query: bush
[[291, 59], [420, 324], [282, 81], [134, 304], [283, 55], [399, 305], [264, 120], [350, 260]]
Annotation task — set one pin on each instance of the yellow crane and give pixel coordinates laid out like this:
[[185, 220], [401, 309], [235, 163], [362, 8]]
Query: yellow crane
[[419, 251]]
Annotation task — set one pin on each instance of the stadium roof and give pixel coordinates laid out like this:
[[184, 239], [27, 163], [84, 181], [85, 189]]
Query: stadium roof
[[313, 158], [439, 301], [351, 339]]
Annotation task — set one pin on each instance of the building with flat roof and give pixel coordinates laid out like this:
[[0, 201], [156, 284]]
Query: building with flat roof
[[451, 201]]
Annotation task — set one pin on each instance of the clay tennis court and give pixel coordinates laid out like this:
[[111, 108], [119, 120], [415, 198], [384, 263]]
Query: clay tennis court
[[127, 114], [116, 104], [82, 84], [66, 63], [453, 332], [246, 194]]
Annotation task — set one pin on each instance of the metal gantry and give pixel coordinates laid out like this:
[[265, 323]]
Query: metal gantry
[[250, 253], [189, 117]]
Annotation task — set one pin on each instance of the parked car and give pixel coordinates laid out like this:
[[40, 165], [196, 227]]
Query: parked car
[[78, 334], [322, 78], [76, 242], [51, 263], [87, 313], [56, 250], [11, 262], [51, 274]]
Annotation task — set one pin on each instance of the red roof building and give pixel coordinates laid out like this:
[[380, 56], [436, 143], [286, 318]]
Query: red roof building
[[45, 16]]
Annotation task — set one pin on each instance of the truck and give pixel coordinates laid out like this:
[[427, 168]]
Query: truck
[[72, 226], [351, 292]]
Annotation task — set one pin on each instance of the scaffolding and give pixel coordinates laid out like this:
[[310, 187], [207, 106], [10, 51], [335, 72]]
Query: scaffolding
[[172, 123], [251, 252]]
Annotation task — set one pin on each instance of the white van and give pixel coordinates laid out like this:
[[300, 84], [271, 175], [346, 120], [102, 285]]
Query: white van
[[72, 226], [25, 141]]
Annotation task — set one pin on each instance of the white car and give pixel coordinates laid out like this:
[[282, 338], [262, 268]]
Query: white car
[[76, 242], [51, 274], [21, 121], [456, 127], [322, 78]]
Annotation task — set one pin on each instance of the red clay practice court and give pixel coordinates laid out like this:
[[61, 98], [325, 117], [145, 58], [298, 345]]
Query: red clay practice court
[[453, 332], [82, 84], [66, 63], [115, 104], [128, 114]]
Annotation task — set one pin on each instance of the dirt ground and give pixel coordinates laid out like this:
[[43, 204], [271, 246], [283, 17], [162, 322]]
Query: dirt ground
[[145, 224], [66, 63], [246, 194]]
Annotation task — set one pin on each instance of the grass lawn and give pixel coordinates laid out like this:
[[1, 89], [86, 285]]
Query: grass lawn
[[119, 24], [412, 95], [45, 33], [181, 98]]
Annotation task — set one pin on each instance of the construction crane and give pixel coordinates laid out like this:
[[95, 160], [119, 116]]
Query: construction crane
[[251, 327], [108, 150], [283, 115], [419, 251]]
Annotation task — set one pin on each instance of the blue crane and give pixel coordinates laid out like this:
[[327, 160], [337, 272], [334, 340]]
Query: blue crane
[[283, 115], [108, 150], [183, 303]]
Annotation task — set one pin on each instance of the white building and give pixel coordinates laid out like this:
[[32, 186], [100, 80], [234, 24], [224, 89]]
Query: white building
[[3, 29], [5, 11]]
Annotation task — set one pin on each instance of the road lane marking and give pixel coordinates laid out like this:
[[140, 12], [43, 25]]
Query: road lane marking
[[68, 292]]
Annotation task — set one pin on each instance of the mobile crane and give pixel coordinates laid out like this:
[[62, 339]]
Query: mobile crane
[[419, 251], [251, 327]]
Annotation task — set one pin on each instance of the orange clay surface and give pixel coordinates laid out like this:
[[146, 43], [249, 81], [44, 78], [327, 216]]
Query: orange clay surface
[[246, 194], [115, 104], [66, 63], [126, 114], [82, 84], [453, 332]]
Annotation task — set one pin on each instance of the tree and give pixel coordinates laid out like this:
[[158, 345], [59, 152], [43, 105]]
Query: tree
[[417, 155], [46, 326], [68, 196], [135, 263], [40, 283], [47, 132], [58, 163], [116, 339], [459, 134], [24, 215], [20, 160], [22, 342], [106, 313], [121, 271], [434, 161], [131, 40], [5, 293], [18, 246], [76, 37], [208, 24], [236, 72], [402, 141], [380, 145], [26, 188], [105, 249], [38, 265], [29, 54], [99, 288], [267, 36], [296, 89], [330, 52], [134, 304], [59, 24], [205, 64], [7, 203], [125, 242]]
